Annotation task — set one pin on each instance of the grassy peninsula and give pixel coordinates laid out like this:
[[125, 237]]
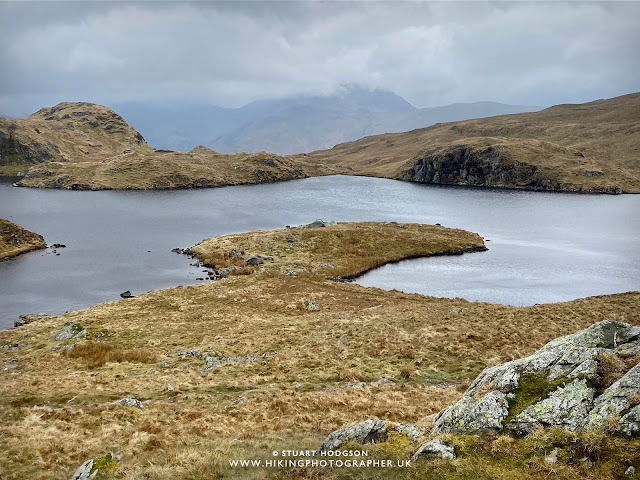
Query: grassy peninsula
[[274, 356], [15, 240]]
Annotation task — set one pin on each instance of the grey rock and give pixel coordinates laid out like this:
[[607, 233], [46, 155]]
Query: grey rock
[[70, 330], [11, 364], [368, 431], [253, 260], [130, 401], [629, 424], [127, 294], [615, 399], [309, 304], [630, 472], [233, 253], [484, 406], [85, 471], [472, 414], [567, 407], [434, 449], [320, 223]]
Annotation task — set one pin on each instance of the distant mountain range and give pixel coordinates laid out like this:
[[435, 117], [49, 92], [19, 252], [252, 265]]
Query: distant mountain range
[[296, 124]]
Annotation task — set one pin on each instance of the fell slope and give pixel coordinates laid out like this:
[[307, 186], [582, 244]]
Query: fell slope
[[90, 147], [592, 147], [237, 368], [15, 240]]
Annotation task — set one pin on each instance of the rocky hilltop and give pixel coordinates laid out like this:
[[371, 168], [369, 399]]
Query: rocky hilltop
[[68, 132], [15, 240], [591, 147], [84, 146]]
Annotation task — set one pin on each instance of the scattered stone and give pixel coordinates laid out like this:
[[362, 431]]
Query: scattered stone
[[328, 265], [253, 260], [309, 304], [85, 471], [266, 258], [239, 401], [91, 467], [630, 472], [69, 331], [434, 449], [11, 364], [127, 294], [58, 245], [458, 311], [233, 253], [169, 388], [130, 401]]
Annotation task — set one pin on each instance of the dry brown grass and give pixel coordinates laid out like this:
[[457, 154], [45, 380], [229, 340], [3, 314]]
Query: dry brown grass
[[611, 367], [97, 354], [345, 250], [15, 240], [314, 371]]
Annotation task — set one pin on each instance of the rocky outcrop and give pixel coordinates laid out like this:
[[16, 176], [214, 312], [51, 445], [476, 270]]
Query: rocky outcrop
[[369, 431], [491, 164], [567, 384]]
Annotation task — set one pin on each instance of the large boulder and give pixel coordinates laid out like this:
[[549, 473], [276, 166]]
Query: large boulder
[[559, 385]]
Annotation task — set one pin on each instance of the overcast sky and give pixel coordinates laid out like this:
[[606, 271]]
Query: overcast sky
[[232, 53]]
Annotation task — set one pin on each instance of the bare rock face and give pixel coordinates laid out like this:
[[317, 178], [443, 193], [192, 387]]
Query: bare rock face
[[369, 431], [560, 385]]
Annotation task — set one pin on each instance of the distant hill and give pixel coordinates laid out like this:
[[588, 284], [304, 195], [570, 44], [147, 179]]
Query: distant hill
[[591, 147], [297, 124]]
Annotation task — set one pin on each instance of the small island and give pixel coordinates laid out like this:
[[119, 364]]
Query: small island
[[274, 354], [15, 240]]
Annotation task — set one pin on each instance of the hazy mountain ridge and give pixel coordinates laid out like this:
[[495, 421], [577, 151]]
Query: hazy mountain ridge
[[296, 124]]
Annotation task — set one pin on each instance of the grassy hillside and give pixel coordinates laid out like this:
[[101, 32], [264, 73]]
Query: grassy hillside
[[15, 240], [237, 368], [588, 147]]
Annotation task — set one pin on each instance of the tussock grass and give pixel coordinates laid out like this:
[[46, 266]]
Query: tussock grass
[[96, 354]]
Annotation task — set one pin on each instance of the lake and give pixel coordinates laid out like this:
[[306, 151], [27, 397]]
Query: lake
[[543, 247]]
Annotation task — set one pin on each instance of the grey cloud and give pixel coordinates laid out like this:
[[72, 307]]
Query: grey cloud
[[230, 53]]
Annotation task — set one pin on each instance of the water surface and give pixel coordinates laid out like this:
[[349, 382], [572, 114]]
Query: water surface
[[543, 247]]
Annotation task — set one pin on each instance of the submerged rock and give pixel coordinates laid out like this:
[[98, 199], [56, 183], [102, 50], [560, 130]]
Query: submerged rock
[[556, 386]]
